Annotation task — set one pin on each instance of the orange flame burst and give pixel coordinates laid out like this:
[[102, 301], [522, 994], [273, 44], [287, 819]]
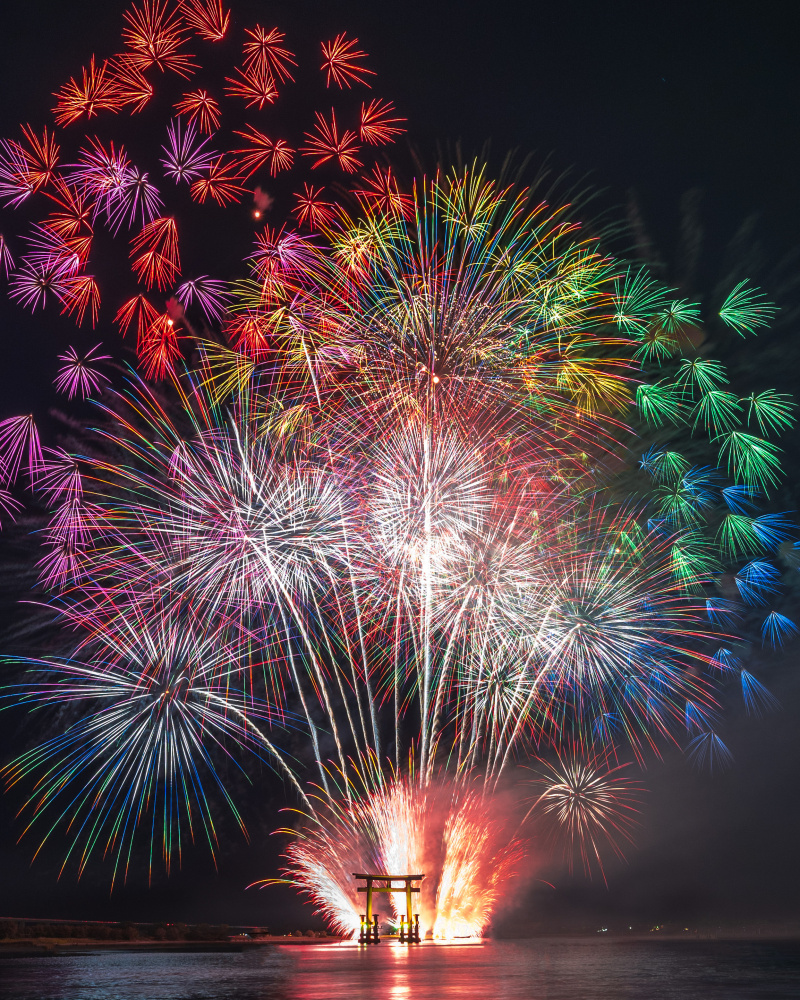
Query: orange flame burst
[[454, 833]]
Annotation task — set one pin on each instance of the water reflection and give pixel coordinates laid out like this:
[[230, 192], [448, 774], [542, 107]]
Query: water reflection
[[523, 970], [399, 988]]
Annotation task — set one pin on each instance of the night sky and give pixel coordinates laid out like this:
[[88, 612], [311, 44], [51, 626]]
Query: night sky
[[652, 101]]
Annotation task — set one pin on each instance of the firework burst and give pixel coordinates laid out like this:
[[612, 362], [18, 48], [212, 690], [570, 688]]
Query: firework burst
[[100, 187], [394, 493], [591, 803], [157, 682], [454, 833]]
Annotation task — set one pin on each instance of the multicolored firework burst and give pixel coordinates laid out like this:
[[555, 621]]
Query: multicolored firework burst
[[420, 487], [80, 179]]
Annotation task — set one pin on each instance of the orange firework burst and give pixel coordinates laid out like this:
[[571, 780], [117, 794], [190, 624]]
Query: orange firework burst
[[96, 91], [311, 209], [254, 85], [132, 87], [207, 18], [220, 183], [377, 127], [154, 37], [202, 108], [266, 50], [77, 210], [40, 157], [262, 150]]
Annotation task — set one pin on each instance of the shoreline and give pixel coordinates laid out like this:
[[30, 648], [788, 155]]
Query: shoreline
[[61, 947], [47, 947]]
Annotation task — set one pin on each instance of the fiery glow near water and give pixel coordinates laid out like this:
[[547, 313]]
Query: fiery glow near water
[[454, 834]]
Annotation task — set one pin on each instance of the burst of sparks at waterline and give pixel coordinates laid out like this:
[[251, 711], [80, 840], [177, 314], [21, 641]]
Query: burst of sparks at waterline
[[450, 831], [399, 479]]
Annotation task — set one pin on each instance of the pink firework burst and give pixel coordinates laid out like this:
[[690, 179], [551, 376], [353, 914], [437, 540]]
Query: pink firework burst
[[186, 157], [78, 376]]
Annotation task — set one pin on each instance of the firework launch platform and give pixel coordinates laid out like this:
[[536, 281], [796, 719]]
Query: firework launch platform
[[409, 922]]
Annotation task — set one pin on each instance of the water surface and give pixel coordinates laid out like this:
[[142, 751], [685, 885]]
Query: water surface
[[524, 970]]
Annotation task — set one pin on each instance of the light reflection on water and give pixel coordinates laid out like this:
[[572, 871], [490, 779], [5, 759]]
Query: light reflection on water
[[523, 970]]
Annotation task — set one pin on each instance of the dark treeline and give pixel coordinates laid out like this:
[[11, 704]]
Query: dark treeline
[[26, 930], [18, 930]]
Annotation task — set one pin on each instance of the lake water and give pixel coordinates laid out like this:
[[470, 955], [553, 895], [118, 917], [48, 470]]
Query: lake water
[[528, 970]]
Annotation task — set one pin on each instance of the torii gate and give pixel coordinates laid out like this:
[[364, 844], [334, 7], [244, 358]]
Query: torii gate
[[409, 930]]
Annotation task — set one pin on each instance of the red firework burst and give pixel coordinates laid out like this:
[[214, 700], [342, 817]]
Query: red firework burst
[[95, 91], [154, 35], [327, 144], [377, 127], [340, 62], [220, 183], [254, 85], [154, 254], [207, 18], [311, 209], [262, 150], [266, 49], [382, 192]]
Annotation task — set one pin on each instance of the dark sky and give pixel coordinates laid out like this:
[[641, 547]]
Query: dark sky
[[657, 98]]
